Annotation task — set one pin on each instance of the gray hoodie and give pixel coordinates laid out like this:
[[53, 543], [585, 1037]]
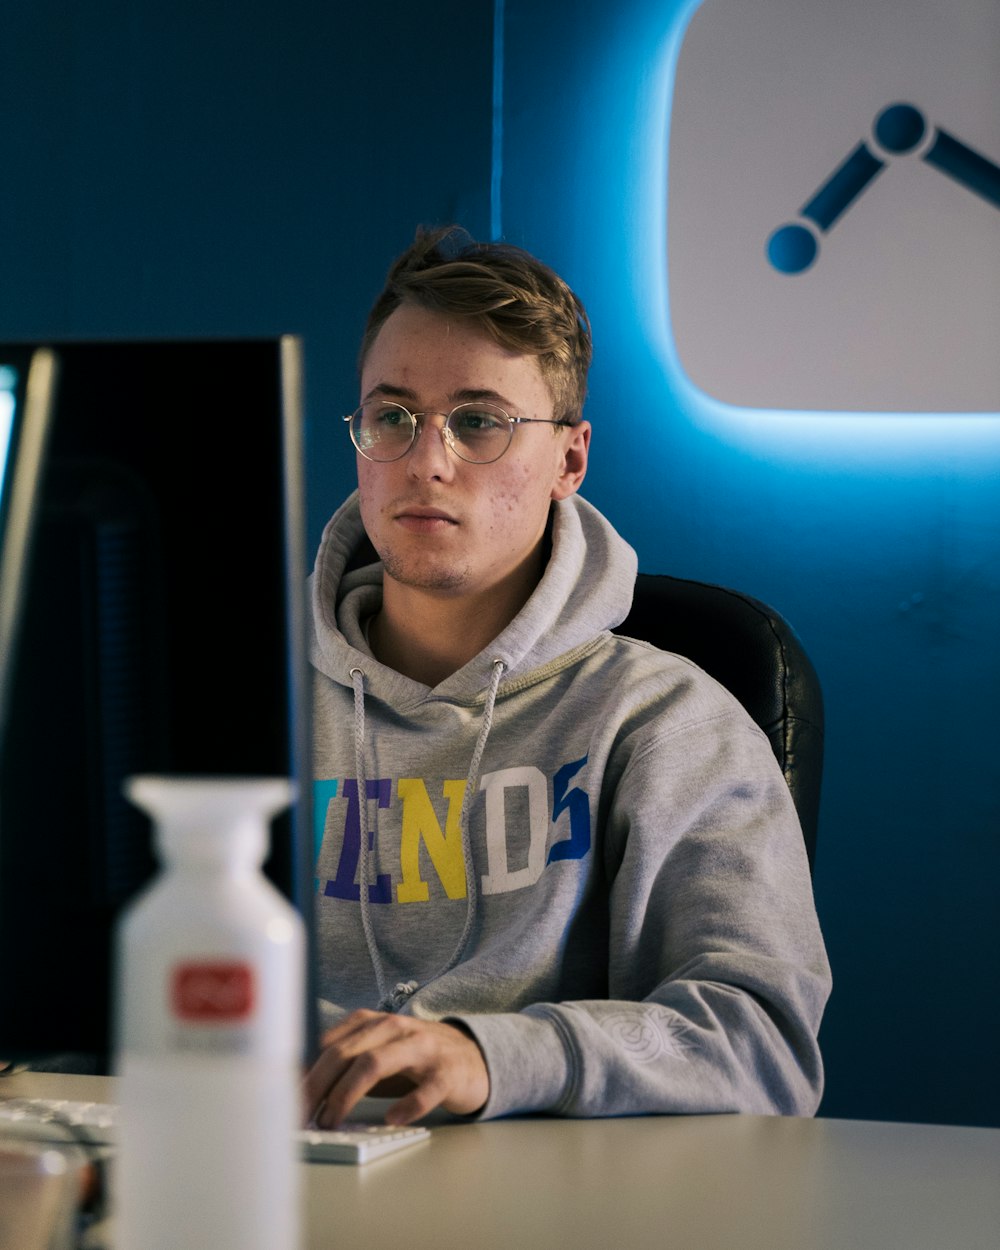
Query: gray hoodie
[[580, 847]]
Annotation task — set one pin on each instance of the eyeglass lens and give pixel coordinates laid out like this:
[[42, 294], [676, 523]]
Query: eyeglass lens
[[385, 431]]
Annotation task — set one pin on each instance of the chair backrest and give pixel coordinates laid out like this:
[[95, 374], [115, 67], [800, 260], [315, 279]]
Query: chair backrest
[[751, 650]]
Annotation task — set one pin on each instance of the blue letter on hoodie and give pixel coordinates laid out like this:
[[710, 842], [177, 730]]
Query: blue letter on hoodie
[[577, 802], [344, 884]]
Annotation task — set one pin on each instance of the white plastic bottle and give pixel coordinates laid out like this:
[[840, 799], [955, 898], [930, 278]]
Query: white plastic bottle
[[209, 1030]]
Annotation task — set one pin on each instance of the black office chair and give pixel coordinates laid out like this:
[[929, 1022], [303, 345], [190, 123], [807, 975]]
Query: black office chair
[[751, 650]]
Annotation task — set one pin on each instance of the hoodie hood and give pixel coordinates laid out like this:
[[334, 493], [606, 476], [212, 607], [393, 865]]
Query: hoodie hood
[[586, 589]]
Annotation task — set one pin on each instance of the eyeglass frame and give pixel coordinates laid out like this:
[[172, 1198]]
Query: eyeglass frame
[[448, 436]]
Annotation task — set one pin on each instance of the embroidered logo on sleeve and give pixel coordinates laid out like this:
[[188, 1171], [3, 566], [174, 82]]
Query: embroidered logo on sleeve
[[654, 1034]]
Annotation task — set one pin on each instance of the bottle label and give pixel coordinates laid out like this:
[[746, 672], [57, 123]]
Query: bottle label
[[220, 992]]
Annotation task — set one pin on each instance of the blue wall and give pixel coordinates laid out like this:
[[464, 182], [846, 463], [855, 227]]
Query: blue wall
[[170, 171]]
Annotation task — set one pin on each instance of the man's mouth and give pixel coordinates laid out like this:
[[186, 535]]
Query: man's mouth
[[423, 519]]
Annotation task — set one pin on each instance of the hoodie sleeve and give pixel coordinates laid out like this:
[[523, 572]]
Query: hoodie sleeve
[[717, 975]]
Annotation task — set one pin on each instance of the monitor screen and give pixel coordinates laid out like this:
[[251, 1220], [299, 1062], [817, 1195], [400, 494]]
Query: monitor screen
[[162, 631]]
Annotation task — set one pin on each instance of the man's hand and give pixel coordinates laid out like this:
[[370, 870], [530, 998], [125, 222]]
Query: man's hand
[[370, 1052]]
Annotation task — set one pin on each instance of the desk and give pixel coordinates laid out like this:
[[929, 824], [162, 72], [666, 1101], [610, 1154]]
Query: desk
[[654, 1183]]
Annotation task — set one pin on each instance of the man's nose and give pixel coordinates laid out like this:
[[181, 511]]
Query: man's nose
[[430, 455]]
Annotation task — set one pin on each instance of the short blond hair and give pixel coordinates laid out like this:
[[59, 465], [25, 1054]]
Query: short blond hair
[[522, 303]]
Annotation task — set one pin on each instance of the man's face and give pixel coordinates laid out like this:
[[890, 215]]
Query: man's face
[[439, 523]]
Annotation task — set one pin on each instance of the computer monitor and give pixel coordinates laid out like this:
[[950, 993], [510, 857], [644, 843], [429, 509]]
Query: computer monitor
[[162, 630]]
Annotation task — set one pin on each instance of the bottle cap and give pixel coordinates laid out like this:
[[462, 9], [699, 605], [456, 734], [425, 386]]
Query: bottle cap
[[211, 818]]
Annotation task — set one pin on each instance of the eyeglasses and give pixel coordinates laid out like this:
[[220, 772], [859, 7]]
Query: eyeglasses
[[479, 433]]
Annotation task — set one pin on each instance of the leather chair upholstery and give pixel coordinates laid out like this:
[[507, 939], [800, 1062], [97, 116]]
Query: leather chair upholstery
[[751, 650]]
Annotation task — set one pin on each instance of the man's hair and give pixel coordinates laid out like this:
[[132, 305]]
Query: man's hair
[[523, 304]]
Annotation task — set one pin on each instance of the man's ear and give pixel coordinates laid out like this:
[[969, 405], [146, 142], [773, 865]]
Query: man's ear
[[574, 460]]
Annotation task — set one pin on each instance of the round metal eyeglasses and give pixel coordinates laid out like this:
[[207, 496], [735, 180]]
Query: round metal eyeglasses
[[479, 433]]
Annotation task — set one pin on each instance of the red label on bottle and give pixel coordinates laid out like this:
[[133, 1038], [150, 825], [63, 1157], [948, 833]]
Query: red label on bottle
[[212, 993]]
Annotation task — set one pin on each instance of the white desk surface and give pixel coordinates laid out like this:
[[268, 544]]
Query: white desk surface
[[692, 1183]]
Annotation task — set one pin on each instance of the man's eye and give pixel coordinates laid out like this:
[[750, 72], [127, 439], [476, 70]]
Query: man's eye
[[389, 417], [477, 421]]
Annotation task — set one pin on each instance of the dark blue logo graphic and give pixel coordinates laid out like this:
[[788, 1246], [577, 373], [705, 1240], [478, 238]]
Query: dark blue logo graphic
[[899, 129]]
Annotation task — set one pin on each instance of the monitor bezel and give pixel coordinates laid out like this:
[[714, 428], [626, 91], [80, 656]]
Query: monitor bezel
[[37, 372]]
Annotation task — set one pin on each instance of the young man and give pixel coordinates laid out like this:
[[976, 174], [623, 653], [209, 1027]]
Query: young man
[[574, 881]]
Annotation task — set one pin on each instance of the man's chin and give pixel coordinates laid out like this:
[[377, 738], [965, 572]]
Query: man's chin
[[424, 575]]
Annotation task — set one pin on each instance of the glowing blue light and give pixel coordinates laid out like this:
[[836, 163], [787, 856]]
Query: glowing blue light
[[893, 440], [616, 240]]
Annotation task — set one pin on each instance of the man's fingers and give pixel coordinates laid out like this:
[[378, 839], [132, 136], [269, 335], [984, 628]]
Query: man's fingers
[[353, 1036], [361, 1054], [392, 1067], [431, 1064]]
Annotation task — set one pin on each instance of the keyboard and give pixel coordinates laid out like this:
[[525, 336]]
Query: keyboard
[[96, 1123]]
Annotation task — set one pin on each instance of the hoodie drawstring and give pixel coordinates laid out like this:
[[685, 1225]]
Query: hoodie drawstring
[[364, 838], [393, 1000]]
